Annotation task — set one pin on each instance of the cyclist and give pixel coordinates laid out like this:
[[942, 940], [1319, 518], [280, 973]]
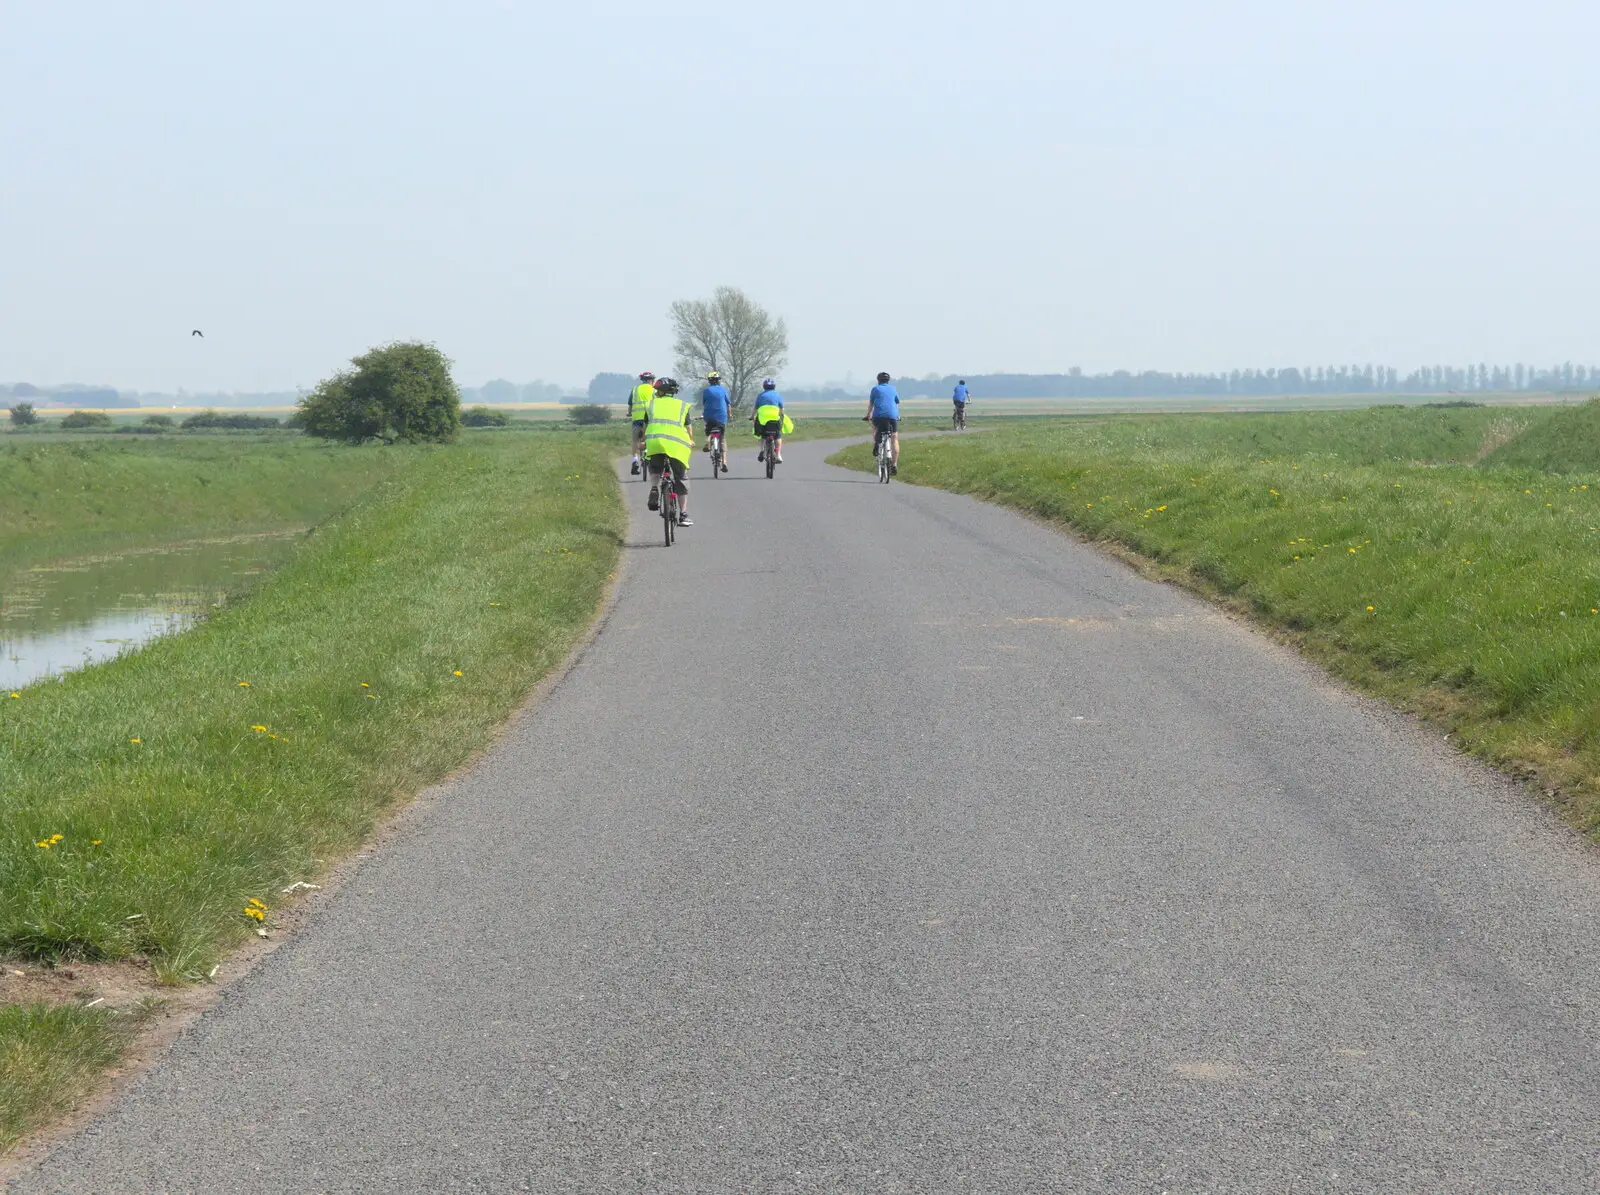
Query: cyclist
[[638, 398], [768, 419], [714, 410], [961, 397], [668, 444], [883, 408]]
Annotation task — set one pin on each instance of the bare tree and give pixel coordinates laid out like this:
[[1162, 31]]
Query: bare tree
[[731, 334]]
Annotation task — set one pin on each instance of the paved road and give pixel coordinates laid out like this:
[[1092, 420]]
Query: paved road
[[888, 842]]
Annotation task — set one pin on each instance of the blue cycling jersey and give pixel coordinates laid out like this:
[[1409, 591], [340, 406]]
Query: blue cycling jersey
[[714, 403], [960, 395], [885, 401]]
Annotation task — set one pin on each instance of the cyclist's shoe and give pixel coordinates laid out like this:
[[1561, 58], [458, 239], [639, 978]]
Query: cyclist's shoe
[[761, 456], [685, 521], [724, 466], [893, 469], [634, 472], [778, 459], [654, 501]]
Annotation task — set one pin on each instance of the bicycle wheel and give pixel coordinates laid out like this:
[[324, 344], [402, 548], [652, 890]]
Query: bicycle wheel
[[669, 516], [772, 463]]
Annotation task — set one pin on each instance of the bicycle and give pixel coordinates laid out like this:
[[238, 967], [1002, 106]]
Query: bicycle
[[769, 452], [958, 421], [667, 502], [885, 456], [718, 451]]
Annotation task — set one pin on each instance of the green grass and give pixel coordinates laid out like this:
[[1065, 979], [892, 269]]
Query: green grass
[[274, 735], [1562, 441], [64, 497], [49, 1059], [1464, 592]]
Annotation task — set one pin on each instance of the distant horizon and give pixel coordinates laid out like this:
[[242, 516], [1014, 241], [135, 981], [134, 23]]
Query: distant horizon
[[1517, 377]]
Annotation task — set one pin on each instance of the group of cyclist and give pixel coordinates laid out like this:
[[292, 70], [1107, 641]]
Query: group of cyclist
[[663, 427]]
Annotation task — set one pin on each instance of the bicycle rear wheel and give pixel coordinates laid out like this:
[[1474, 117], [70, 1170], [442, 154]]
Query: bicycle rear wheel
[[766, 444]]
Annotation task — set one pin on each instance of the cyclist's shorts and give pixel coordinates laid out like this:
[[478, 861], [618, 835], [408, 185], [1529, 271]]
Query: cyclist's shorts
[[638, 425], [883, 423], [959, 403], [713, 428], [773, 429], [680, 471]]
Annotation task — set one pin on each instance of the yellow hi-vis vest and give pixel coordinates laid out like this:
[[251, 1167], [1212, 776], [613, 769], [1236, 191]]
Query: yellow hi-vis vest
[[666, 428], [767, 413], [639, 400]]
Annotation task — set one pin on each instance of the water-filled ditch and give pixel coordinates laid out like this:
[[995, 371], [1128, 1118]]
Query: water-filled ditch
[[65, 614]]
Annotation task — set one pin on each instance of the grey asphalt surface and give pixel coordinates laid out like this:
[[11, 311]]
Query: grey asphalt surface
[[885, 841]]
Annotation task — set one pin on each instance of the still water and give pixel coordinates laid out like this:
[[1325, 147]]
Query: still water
[[62, 615]]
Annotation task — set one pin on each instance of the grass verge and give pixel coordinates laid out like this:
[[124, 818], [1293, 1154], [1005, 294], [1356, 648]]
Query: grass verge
[[149, 799], [154, 803], [1465, 593], [50, 1057]]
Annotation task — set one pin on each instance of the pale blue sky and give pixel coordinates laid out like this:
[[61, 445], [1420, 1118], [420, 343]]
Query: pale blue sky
[[930, 186]]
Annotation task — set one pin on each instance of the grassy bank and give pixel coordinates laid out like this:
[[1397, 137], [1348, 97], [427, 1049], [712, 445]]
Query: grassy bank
[[149, 801], [63, 498], [1430, 556], [50, 1058]]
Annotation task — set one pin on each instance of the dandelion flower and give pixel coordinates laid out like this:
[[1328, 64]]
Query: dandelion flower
[[457, 672], [57, 837], [44, 845], [259, 729], [138, 741], [244, 684], [18, 696], [94, 842], [364, 685], [1369, 610]]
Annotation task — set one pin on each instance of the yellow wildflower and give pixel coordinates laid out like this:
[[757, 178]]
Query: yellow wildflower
[[364, 685], [457, 672], [244, 684], [140, 741], [259, 729]]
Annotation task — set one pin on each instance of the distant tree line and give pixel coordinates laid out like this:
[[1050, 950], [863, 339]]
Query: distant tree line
[[1320, 379]]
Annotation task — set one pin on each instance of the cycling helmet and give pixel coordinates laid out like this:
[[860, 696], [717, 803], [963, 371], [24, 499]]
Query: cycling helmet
[[713, 376], [883, 377], [666, 386], [647, 376], [768, 384]]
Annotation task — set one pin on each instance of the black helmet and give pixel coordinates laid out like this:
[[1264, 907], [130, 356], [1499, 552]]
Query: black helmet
[[883, 377], [666, 386]]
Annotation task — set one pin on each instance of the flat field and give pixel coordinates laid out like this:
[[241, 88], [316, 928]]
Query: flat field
[[155, 805], [1447, 559]]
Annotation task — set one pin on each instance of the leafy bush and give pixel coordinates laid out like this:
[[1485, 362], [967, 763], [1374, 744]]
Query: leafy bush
[[81, 419], [210, 419], [23, 415], [484, 417], [396, 392], [140, 430], [590, 412], [158, 421]]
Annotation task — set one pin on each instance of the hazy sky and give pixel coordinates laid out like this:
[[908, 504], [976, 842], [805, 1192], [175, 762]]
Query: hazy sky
[[914, 186]]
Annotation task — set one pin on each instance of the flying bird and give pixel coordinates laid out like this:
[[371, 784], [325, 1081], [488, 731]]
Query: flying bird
[[198, 333]]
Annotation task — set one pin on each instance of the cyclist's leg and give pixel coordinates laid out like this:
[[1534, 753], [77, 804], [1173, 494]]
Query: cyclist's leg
[[894, 443], [653, 467], [680, 483]]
